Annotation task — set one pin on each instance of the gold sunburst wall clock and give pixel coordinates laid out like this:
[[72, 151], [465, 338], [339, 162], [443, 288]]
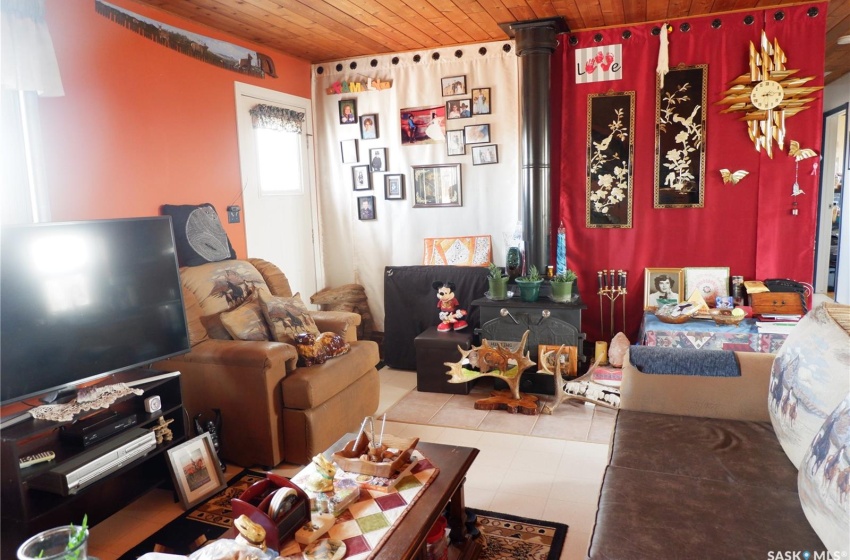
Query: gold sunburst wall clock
[[768, 95]]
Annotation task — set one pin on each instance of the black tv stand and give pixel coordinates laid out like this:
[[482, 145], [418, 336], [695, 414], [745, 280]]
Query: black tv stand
[[26, 510]]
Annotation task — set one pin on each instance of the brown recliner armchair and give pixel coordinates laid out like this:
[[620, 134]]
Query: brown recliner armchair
[[272, 410]]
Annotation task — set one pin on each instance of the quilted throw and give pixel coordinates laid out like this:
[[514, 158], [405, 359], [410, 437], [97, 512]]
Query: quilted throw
[[475, 250]]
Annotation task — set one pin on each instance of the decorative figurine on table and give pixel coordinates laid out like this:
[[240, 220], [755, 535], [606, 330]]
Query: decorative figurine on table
[[450, 316]]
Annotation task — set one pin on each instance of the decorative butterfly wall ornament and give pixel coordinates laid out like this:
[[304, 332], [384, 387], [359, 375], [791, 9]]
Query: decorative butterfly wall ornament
[[798, 153], [733, 177]]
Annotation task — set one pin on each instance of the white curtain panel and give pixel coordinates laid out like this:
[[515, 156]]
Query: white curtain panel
[[28, 60], [358, 251]]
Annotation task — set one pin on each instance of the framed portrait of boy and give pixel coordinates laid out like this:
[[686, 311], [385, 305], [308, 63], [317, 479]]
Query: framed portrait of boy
[[662, 286], [378, 159], [366, 208]]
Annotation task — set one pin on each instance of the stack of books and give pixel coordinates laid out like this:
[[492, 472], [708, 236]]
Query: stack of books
[[776, 323]]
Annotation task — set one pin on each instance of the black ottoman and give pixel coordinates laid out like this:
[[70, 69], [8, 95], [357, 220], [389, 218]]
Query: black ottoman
[[433, 349]]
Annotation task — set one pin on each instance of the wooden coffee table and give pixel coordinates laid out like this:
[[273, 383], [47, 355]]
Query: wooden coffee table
[[407, 540]]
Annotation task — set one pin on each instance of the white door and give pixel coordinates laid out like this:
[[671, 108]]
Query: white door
[[832, 179], [279, 191]]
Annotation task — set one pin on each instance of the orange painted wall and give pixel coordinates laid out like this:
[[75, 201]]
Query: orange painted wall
[[142, 125]]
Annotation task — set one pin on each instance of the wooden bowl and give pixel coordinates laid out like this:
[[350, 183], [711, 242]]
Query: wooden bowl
[[673, 320], [349, 458]]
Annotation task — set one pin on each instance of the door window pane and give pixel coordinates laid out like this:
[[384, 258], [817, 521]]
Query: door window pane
[[279, 162]]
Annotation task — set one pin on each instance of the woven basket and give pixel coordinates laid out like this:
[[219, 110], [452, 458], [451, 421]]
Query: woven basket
[[349, 458], [725, 317]]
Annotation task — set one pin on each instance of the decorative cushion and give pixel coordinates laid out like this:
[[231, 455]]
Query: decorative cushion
[[458, 251], [246, 322], [198, 234], [809, 378], [314, 350], [286, 316], [824, 480], [221, 286]]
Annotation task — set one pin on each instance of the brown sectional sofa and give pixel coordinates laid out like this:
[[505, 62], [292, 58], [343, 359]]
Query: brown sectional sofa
[[272, 410], [696, 471]]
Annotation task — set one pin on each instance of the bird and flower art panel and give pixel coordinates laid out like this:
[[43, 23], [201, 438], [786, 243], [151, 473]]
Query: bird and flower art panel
[[679, 138], [610, 148]]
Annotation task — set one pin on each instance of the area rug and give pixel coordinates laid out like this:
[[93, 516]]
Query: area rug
[[505, 537]]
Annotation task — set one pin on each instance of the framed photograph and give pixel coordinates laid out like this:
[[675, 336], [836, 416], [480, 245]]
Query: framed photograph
[[662, 286], [366, 207], [546, 354], [195, 470], [369, 127], [483, 155], [476, 133], [349, 151], [394, 187], [454, 85], [480, 101], [347, 111], [710, 282], [436, 185], [455, 146], [423, 125], [378, 159], [458, 109], [361, 178]]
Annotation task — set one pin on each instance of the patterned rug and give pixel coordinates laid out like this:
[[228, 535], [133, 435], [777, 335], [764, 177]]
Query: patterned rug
[[506, 537]]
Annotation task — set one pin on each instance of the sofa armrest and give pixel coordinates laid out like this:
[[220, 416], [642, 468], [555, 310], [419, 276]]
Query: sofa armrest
[[731, 398], [243, 380], [342, 323]]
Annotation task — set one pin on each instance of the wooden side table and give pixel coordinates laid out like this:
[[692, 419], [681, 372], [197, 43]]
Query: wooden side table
[[433, 350]]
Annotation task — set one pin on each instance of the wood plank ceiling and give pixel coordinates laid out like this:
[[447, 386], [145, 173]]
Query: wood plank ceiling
[[329, 30]]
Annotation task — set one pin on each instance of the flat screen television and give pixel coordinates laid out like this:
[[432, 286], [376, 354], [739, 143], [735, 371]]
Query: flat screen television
[[82, 300]]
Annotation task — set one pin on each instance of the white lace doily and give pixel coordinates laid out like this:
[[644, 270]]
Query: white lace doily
[[99, 397]]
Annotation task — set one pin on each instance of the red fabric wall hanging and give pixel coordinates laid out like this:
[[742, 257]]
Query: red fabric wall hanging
[[748, 226]]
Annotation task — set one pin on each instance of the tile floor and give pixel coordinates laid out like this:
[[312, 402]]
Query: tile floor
[[553, 474]]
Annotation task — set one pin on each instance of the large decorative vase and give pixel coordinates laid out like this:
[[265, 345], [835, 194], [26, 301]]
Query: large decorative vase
[[561, 291], [529, 290], [55, 544], [498, 288]]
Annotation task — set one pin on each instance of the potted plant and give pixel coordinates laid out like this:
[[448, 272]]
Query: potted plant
[[498, 283], [562, 286], [529, 285]]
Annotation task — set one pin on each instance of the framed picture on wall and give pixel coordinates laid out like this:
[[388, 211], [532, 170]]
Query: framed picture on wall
[[347, 111], [394, 187], [454, 85], [710, 282], [436, 185], [458, 109], [662, 286], [349, 151], [476, 133], [484, 155], [455, 145], [480, 101], [369, 127], [361, 177], [378, 159], [366, 208]]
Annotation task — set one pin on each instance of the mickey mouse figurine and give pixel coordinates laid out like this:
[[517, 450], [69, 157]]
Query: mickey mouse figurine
[[450, 315]]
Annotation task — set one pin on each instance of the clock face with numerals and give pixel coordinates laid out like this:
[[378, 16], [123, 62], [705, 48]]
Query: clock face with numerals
[[767, 94]]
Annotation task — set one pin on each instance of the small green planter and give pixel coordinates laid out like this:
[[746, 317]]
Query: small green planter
[[529, 290], [498, 288], [561, 291]]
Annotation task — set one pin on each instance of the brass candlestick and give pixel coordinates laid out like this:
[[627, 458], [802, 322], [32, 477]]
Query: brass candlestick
[[612, 285]]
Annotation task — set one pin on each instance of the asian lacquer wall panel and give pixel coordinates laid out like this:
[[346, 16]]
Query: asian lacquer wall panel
[[610, 151], [680, 138]]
